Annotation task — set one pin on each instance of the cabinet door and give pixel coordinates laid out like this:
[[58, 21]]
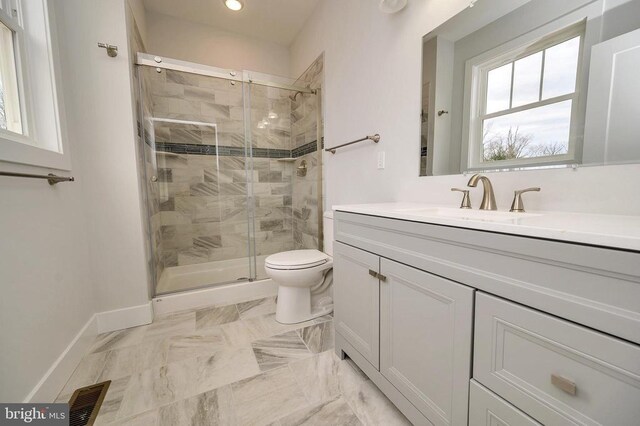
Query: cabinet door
[[488, 409], [425, 340], [356, 294]]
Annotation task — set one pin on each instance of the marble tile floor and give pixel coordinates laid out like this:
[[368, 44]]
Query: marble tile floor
[[229, 365]]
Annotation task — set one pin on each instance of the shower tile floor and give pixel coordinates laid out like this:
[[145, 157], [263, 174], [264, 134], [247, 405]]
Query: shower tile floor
[[229, 365]]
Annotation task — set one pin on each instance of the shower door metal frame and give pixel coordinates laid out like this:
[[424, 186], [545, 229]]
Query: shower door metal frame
[[206, 70]]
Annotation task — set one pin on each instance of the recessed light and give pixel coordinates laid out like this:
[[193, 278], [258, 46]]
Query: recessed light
[[233, 4], [272, 115], [392, 6]]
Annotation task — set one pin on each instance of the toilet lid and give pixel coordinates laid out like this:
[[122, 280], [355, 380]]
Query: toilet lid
[[296, 259]]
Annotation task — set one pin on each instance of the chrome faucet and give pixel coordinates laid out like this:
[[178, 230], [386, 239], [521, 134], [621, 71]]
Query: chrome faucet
[[488, 199]]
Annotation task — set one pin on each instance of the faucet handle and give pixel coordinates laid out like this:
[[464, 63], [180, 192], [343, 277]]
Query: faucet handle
[[517, 205], [466, 201]]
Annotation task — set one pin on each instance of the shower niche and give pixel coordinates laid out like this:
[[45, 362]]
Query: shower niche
[[221, 171]]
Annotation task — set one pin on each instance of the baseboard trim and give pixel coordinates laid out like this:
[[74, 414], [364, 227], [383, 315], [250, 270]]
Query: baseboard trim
[[219, 295], [56, 377], [119, 319]]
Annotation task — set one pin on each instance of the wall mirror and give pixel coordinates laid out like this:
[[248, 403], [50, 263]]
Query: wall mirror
[[519, 84]]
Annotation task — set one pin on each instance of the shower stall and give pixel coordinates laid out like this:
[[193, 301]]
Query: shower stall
[[231, 170]]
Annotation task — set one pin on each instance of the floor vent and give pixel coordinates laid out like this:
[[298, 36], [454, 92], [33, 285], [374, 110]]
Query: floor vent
[[85, 403]]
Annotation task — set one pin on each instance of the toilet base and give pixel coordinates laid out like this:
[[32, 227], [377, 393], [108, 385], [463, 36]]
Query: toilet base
[[294, 306]]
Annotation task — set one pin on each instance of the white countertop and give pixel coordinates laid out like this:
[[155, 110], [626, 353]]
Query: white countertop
[[614, 231]]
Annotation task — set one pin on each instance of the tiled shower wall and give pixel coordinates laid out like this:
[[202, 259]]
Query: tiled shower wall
[[202, 170], [306, 129], [198, 206]]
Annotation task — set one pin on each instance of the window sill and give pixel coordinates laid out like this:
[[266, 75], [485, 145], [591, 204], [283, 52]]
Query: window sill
[[23, 153]]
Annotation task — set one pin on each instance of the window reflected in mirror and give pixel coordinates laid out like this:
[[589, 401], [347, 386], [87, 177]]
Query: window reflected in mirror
[[528, 101], [510, 85]]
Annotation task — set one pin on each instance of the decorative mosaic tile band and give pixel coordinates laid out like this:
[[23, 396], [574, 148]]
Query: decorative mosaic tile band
[[307, 148], [231, 151], [270, 153]]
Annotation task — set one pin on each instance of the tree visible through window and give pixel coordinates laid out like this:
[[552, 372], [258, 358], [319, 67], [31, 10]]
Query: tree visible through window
[[527, 98]]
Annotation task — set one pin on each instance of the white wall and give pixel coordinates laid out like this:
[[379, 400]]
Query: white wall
[[188, 41], [75, 249], [47, 293], [101, 125], [372, 84]]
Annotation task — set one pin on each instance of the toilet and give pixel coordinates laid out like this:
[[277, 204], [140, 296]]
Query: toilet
[[304, 280]]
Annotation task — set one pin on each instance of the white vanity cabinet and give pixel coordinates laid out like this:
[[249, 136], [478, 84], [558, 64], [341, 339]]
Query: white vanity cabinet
[[415, 328], [425, 340], [559, 372], [357, 299], [459, 326]]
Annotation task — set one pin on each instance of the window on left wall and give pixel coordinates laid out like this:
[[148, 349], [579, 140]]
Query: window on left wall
[[10, 93], [31, 131]]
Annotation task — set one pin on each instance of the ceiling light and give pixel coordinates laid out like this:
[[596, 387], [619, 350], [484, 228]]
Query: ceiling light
[[233, 4], [392, 6], [272, 115]]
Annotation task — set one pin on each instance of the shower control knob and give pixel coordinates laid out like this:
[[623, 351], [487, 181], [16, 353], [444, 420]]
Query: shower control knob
[[158, 59], [154, 178]]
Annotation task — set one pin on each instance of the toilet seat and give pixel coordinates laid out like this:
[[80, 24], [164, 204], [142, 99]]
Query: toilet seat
[[296, 259]]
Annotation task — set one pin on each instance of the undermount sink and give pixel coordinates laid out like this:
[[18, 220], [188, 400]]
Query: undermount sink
[[466, 214]]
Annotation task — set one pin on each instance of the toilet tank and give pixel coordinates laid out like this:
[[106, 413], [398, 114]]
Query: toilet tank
[[327, 223]]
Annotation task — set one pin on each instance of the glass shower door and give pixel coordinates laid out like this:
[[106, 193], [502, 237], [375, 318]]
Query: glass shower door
[[197, 167], [268, 123]]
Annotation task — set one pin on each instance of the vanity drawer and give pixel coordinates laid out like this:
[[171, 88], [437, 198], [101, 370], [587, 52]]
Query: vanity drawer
[[488, 409], [555, 371]]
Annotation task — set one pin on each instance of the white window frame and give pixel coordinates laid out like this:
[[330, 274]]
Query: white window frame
[[477, 70], [43, 141]]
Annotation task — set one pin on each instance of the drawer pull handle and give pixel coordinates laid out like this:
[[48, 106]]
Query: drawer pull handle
[[374, 274], [563, 384]]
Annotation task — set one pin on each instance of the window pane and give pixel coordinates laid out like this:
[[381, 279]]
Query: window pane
[[9, 99], [526, 80], [498, 89], [536, 132], [560, 68]]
